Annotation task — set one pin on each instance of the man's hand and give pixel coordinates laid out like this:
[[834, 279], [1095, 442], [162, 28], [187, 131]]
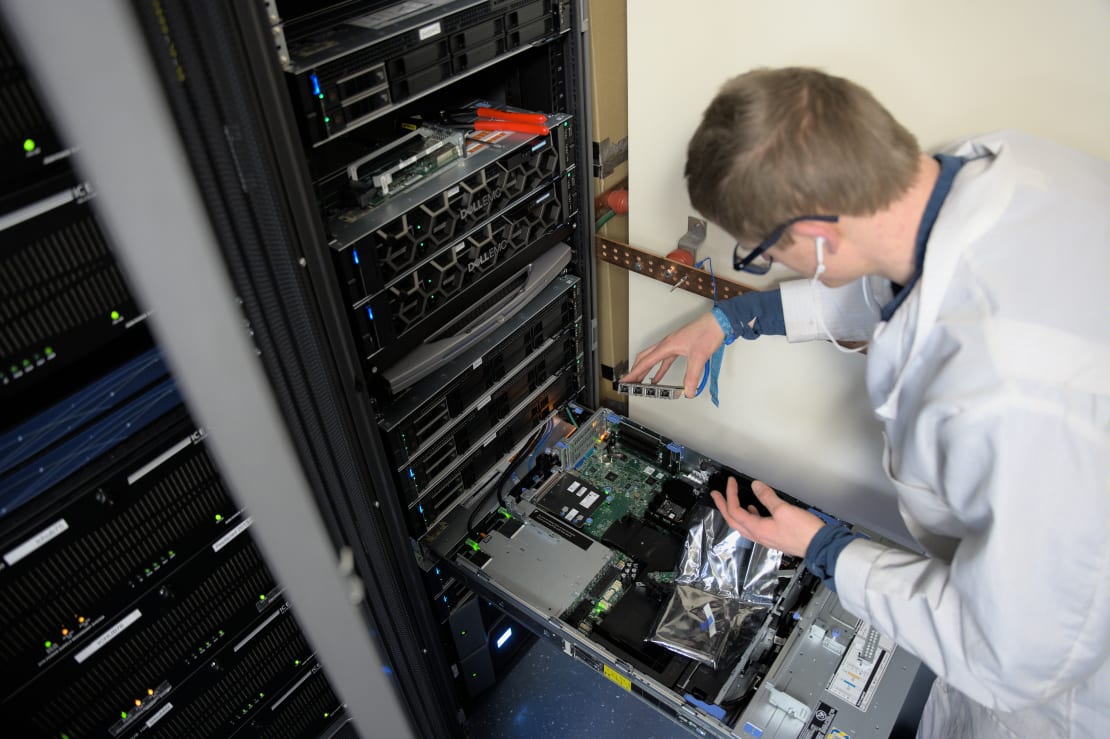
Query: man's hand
[[788, 529], [696, 341]]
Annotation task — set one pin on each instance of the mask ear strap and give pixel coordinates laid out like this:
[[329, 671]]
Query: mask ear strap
[[819, 244]]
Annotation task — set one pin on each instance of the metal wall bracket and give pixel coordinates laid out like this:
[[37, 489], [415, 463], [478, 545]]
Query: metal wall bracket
[[608, 156], [694, 236]]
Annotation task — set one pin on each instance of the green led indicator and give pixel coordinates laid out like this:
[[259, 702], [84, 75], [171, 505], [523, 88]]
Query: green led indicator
[[115, 315], [261, 695], [566, 123], [321, 96], [123, 714], [462, 633], [49, 644], [219, 518], [49, 350], [296, 663], [327, 120], [26, 362], [326, 714], [262, 597], [28, 145], [474, 674]]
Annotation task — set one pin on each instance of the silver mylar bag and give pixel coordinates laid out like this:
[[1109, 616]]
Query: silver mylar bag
[[724, 584], [706, 627], [719, 560]]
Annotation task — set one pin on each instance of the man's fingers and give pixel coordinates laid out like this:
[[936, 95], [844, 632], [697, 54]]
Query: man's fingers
[[694, 371], [663, 367], [766, 496]]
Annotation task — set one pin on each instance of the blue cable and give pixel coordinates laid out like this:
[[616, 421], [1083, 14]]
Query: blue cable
[[711, 370]]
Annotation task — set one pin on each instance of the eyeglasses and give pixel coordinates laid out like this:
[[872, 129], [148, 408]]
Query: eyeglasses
[[748, 263]]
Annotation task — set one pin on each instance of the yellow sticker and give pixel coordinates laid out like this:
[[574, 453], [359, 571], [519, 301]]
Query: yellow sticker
[[618, 678]]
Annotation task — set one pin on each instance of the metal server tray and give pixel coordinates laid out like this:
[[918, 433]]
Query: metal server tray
[[798, 688]]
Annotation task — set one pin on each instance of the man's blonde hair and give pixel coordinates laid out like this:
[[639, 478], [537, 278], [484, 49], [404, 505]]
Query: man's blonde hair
[[779, 143]]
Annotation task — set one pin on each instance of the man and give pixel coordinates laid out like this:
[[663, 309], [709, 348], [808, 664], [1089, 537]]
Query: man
[[981, 279]]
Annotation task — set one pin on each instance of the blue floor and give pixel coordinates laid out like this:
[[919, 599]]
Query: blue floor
[[548, 695]]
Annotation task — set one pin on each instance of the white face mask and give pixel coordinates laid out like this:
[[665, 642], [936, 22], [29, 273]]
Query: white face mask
[[819, 245]]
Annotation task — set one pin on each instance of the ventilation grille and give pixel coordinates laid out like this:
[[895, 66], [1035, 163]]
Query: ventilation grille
[[145, 652], [311, 704], [75, 578], [212, 712], [58, 283]]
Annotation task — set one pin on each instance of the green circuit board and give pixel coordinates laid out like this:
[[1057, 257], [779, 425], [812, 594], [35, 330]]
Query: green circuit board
[[604, 592], [628, 483]]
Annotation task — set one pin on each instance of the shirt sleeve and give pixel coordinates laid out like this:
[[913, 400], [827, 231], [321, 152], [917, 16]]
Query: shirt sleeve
[[824, 549], [754, 314], [1022, 610], [849, 312]]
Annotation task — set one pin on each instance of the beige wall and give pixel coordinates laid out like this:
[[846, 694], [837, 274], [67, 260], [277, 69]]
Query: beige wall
[[797, 415], [609, 121]]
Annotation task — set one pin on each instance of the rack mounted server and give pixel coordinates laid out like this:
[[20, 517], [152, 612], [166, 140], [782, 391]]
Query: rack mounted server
[[133, 598]]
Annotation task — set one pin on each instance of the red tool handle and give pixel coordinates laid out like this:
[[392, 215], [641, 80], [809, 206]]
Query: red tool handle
[[532, 128], [505, 115]]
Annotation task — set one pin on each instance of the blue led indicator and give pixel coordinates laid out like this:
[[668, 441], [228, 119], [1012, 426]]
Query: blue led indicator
[[411, 473], [355, 253], [315, 84], [387, 669], [437, 570], [420, 509], [445, 599], [370, 313], [504, 637]]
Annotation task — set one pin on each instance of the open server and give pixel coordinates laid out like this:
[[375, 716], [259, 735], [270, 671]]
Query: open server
[[423, 294]]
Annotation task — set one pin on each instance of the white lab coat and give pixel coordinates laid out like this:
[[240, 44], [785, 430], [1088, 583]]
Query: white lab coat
[[992, 382]]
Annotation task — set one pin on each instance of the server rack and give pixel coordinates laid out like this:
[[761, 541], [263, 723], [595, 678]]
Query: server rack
[[267, 178], [407, 410], [135, 597]]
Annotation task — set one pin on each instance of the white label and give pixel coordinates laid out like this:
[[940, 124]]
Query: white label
[[293, 689], [572, 514], [452, 192], [156, 717], [108, 636], [226, 538], [392, 14], [460, 246], [160, 459], [856, 679], [649, 471], [710, 621], [257, 629], [589, 500], [38, 540], [574, 486], [476, 364], [432, 29]]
